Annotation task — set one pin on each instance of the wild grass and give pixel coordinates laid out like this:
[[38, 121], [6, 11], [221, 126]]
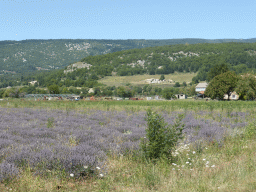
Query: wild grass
[[140, 79], [175, 105], [195, 167], [229, 168]]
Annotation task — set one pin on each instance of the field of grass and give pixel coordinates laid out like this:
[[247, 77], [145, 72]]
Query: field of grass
[[140, 79], [228, 164]]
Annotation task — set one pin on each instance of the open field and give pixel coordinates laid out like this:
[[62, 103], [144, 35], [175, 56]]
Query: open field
[[140, 79], [95, 146]]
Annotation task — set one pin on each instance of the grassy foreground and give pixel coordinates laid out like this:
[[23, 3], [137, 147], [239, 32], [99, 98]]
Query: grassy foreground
[[230, 167]]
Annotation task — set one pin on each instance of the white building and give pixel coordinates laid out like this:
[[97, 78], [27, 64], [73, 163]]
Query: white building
[[233, 96], [201, 87], [181, 96]]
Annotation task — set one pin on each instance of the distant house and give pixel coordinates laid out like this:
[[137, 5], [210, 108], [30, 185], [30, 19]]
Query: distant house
[[201, 87], [233, 96], [181, 96]]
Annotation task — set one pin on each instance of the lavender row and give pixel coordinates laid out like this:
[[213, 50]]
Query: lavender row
[[71, 140]]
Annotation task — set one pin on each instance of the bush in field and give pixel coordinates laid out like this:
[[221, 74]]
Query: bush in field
[[160, 138]]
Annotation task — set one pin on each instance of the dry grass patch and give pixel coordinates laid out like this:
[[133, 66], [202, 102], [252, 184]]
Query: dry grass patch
[[140, 79]]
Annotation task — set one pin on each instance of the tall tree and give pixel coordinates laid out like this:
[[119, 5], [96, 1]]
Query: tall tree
[[246, 87], [217, 70], [222, 84]]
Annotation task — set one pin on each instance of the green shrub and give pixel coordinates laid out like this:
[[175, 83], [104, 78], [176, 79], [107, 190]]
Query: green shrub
[[160, 138], [50, 122]]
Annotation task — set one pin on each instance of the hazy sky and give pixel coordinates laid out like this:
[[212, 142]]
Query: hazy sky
[[127, 19]]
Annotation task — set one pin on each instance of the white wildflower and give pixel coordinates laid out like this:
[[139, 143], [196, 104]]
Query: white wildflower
[[213, 166], [188, 158], [71, 175], [194, 152], [207, 162], [86, 167], [203, 159], [174, 164], [187, 162], [101, 175], [98, 168]]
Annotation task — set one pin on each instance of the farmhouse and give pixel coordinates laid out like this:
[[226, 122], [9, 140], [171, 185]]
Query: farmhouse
[[201, 87], [233, 96]]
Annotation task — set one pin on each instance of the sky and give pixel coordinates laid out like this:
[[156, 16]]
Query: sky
[[127, 19]]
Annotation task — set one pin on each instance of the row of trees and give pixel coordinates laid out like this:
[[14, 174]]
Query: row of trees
[[121, 91], [227, 82]]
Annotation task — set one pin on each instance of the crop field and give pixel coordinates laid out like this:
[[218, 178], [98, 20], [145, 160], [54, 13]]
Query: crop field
[[95, 146], [140, 79]]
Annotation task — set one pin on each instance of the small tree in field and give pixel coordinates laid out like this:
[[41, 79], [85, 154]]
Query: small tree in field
[[160, 139], [162, 78]]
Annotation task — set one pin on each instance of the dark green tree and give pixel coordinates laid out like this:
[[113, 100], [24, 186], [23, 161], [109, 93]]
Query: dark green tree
[[217, 70], [168, 93], [246, 87], [222, 84], [54, 89], [177, 84], [162, 78]]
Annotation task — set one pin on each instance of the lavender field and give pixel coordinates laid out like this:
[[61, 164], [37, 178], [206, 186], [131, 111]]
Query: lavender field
[[80, 141]]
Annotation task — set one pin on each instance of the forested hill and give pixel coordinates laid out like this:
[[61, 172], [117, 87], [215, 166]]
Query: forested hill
[[39, 55], [240, 57], [34, 55]]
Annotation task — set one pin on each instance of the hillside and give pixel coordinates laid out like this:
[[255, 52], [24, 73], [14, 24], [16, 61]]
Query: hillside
[[34, 55], [141, 80], [190, 58], [240, 57]]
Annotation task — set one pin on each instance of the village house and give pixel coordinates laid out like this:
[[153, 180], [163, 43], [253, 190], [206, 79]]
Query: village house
[[233, 96], [201, 87]]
